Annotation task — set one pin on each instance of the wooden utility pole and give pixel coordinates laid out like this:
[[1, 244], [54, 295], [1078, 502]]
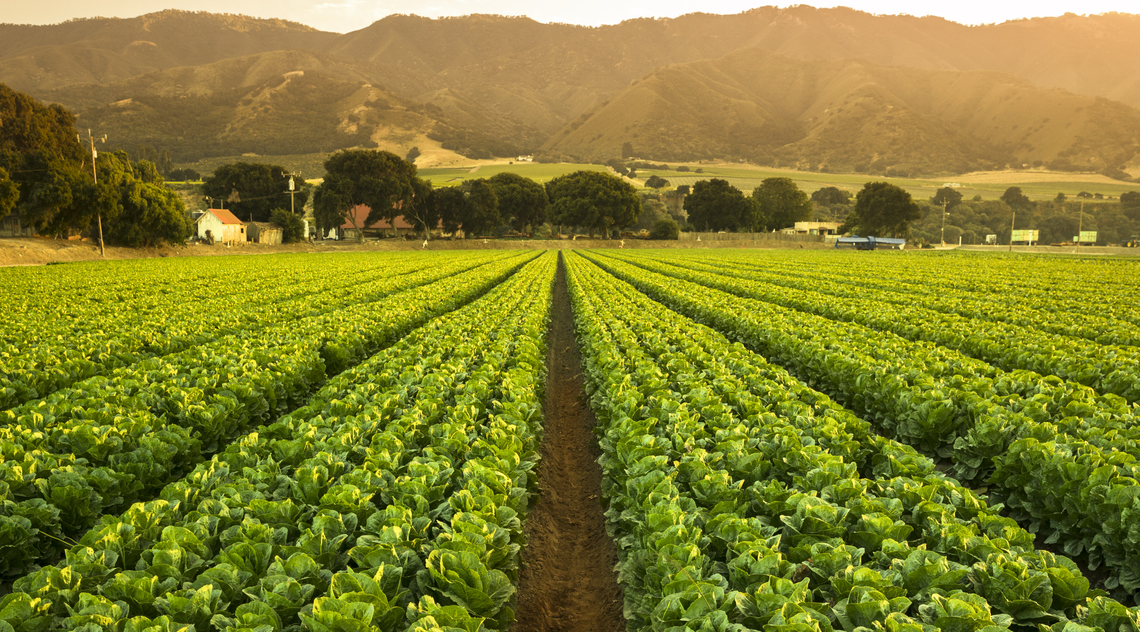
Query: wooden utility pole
[[944, 202], [95, 175], [1080, 225], [1011, 223]]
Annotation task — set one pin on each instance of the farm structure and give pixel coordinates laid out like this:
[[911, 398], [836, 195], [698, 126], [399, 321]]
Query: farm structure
[[221, 226], [264, 233], [353, 227]]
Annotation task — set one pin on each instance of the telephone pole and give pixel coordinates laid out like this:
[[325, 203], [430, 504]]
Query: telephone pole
[[1080, 225], [95, 175], [1011, 223], [944, 222]]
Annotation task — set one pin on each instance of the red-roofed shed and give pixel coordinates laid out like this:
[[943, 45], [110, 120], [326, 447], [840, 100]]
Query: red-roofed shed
[[221, 226]]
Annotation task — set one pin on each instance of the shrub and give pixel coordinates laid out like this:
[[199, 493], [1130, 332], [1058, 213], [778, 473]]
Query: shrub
[[665, 229]]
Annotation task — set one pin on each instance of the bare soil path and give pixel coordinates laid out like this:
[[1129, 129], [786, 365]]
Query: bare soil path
[[567, 583]]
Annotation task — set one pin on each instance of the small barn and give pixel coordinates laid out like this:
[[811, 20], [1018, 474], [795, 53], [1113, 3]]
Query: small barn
[[221, 226], [264, 233]]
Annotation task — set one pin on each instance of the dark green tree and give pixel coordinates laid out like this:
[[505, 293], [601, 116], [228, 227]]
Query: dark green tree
[[1130, 204], [665, 229], [292, 225], [594, 200], [656, 182], [948, 196], [882, 210], [413, 153], [149, 214], [782, 203], [1015, 198], [626, 150], [1060, 199], [380, 180], [482, 208], [716, 205], [471, 206], [828, 196], [9, 194], [259, 189], [522, 201]]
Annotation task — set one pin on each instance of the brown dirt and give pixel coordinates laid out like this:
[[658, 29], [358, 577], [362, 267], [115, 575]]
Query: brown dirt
[[567, 583], [42, 250]]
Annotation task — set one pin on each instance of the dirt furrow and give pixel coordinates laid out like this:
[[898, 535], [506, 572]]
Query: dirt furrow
[[568, 583]]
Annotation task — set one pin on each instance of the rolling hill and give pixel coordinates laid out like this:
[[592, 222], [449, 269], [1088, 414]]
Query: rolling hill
[[836, 88], [850, 115]]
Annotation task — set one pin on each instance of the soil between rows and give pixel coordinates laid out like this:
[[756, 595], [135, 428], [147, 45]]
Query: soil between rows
[[567, 582]]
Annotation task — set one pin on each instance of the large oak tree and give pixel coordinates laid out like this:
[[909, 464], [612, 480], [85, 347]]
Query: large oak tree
[[882, 210], [593, 200]]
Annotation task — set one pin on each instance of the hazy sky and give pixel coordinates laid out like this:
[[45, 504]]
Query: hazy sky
[[349, 15]]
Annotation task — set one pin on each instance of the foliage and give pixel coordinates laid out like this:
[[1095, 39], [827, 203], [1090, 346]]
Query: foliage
[[626, 150], [1015, 198], [594, 200], [412, 154], [522, 201], [665, 229], [656, 182], [883, 210], [831, 195], [9, 194], [379, 180], [184, 175], [292, 226], [947, 196], [782, 203], [252, 190], [716, 205]]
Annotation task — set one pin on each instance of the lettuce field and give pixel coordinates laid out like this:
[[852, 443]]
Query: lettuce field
[[787, 441]]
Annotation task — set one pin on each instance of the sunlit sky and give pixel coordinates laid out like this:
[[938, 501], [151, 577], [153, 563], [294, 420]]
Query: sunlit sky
[[343, 16]]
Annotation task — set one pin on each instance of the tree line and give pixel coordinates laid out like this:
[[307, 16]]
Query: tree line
[[390, 187], [47, 177]]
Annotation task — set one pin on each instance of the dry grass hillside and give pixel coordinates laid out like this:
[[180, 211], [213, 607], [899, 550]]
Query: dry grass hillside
[[832, 87], [852, 116]]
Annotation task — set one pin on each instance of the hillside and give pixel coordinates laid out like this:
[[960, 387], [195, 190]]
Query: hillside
[[852, 116], [856, 89]]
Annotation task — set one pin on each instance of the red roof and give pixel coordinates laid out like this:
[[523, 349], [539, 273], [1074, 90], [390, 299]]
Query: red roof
[[225, 216], [360, 213]]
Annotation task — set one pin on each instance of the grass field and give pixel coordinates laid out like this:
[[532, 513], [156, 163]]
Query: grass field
[[447, 176], [1038, 185]]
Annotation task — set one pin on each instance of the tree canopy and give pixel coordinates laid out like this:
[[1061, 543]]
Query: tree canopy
[[1015, 198], [522, 201], [656, 182], [259, 189], [946, 196], [594, 200], [380, 180], [782, 203], [883, 210], [828, 196], [717, 205]]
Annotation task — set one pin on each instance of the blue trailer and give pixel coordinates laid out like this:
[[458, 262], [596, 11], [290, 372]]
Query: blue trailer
[[870, 243]]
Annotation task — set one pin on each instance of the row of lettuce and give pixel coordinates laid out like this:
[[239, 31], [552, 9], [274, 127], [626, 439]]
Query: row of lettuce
[[392, 500], [1064, 460], [741, 499], [65, 325], [102, 444], [1109, 363]]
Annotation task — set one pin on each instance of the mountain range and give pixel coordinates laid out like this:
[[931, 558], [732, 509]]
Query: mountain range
[[832, 89]]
